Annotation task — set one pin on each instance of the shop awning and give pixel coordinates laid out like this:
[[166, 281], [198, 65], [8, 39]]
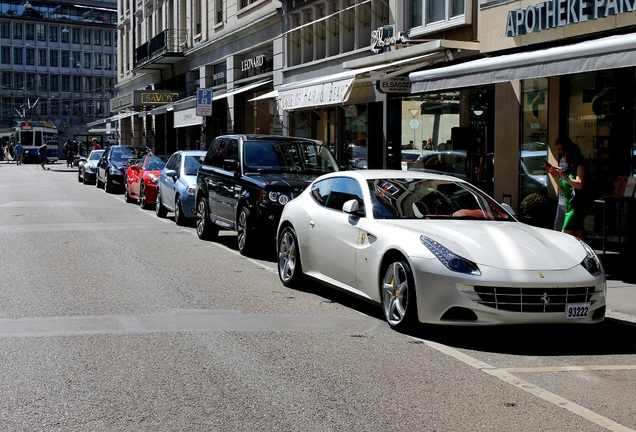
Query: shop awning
[[238, 90], [272, 94], [604, 53], [112, 118]]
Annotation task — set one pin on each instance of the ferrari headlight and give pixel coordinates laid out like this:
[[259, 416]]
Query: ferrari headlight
[[452, 261], [591, 263], [153, 178]]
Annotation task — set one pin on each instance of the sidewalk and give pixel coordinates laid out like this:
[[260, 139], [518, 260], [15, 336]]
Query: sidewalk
[[621, 286]]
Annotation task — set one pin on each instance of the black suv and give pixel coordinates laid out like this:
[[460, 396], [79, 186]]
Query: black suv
[[111, 167], [246, 180]]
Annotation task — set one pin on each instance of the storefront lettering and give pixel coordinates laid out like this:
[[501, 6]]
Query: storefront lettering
[[558, 13], [320, 94], [384, 37], [121, 102], [154, 98], [252, 63]]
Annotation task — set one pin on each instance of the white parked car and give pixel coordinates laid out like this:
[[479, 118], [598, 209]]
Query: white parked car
[[434, 249]]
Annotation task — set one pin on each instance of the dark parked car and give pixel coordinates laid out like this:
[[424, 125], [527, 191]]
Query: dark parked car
[[246, 180], [111, 168]]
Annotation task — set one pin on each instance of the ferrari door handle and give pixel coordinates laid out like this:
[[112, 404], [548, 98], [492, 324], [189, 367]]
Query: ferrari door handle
[[312, 223]]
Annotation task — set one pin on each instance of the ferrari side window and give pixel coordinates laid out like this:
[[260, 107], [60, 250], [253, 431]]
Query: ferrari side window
[[344, 189]]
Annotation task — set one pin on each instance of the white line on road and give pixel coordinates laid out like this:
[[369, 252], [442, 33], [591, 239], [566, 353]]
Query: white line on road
[[506, 376]]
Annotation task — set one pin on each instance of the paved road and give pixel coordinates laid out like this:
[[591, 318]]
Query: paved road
[[112, 319]]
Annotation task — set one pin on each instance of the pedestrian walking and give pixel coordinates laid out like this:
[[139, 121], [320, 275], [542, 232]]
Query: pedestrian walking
[[7, 152], [42, 154], [18, 153]]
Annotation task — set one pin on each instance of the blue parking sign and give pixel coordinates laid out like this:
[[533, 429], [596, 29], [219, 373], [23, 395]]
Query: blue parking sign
[[204, 102]]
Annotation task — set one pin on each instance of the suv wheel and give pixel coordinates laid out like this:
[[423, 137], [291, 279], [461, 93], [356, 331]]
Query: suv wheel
[[205, 229], [246, 235]]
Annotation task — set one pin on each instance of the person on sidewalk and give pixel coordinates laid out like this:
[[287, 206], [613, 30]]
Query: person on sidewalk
[[96, 145], [18, 153], [42, 154]]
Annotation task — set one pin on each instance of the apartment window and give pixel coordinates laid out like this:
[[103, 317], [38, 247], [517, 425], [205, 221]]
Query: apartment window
[[75, 35], [41, 32], [99, 85], [6, 79], [66, 83], [108, 38], [53, 31], [42, 57], [29, 31], [108, 61], [77, 84], [219, 11], [97, 37], [30, 81], [6, 55], [54, 58], [43, 83], [86, 36], [54, 83], [432, 15], [66, 58], [86, 60], [54, 105], [76, 60], [30, 57], [110, 85], [17, 30], [87, 84], [17, 56], [5, 29], [77, 108], [19, 80], [97, 60], [65, 35]]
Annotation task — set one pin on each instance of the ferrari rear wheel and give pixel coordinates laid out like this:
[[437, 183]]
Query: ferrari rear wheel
[[398, 295], [143, 202], [289, 267]]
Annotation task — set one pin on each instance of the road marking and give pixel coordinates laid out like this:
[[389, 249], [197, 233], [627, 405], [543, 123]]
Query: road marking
[[506, 376]]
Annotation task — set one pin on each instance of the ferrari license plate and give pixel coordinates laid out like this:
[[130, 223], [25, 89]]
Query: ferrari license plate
[[577, 310]]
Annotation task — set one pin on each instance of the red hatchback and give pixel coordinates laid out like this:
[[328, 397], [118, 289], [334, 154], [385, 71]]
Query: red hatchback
[[141, 180]]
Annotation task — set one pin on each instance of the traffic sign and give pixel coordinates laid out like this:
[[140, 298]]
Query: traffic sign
[[204, 102]]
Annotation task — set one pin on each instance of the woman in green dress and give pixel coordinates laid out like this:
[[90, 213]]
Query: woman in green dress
[[571, 182]]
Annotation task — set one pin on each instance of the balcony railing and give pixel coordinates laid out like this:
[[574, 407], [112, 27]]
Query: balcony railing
[[169, 42]]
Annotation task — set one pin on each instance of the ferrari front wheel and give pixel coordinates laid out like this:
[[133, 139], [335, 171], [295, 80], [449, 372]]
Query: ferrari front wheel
[[289, 267], [398, 295]]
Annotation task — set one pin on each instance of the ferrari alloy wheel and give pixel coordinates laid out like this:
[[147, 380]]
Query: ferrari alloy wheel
[[245, 233], [398, 295], [178, 212], [127, 196], [160, 210], [205, 228], [289, 268], [143, 202]]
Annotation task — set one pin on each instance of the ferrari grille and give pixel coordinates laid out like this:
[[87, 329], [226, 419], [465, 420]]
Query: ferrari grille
[[532, 300]]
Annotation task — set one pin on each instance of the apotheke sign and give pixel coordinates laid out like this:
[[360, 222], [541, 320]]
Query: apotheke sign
[[558, 13]]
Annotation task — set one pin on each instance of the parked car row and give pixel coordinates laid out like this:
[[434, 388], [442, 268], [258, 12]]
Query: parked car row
[[426, 247]]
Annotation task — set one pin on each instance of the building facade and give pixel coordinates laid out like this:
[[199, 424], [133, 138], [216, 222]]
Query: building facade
[[58, 65]]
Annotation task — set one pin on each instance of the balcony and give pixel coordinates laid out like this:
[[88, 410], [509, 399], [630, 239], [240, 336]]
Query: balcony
[[166, 48]]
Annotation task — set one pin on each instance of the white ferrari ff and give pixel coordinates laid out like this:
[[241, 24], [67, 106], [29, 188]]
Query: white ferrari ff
[[435, 249]]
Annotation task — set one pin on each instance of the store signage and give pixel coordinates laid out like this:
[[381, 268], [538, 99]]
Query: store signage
[[187, 117], [559, 13], [252, 63], [122, 102], [384, 37], [395, 85], [158, 97], [315, 95]]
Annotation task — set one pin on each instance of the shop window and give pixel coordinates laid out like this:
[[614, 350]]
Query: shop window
[[534, 137]]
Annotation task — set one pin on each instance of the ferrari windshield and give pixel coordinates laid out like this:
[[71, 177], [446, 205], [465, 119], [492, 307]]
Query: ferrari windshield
[[296, 156], [405, 198]]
